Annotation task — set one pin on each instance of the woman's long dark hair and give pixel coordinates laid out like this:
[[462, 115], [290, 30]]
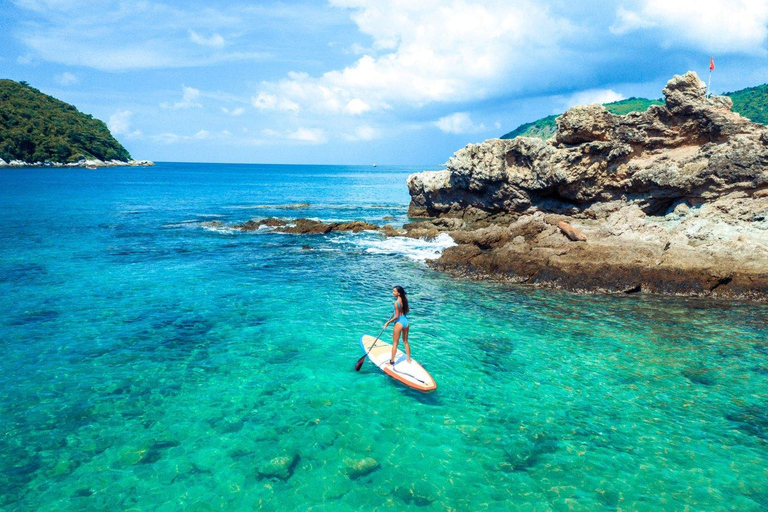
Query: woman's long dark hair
[[403, 298]]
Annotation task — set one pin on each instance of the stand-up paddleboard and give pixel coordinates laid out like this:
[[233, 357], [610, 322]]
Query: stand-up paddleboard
[[411, 374]]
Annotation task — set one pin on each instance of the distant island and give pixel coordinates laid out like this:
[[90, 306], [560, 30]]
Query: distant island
[[751, 103], [38, 129]]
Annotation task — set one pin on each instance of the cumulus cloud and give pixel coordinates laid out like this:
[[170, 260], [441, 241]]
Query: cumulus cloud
[[190, 98], [357, 106], [425, 52], [66, 79], [708, 25], [458, 123]]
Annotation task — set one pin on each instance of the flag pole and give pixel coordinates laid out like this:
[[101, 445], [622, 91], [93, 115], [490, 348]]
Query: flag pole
[[709, 82]]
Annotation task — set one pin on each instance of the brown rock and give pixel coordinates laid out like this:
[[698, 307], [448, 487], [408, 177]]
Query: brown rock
[[484, 238], [355, 226], [571, 232], [272, 222], [692, 148], [309, 227], [254, 225], [388, 230]]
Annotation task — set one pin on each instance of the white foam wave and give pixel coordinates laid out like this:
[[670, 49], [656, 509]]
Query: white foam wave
[[417, 249], [218, 229]]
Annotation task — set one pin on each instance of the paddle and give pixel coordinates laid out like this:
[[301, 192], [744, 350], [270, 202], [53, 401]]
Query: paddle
[[360, 361]]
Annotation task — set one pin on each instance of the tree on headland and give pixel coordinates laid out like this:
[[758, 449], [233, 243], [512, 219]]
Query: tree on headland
[[35, 127]]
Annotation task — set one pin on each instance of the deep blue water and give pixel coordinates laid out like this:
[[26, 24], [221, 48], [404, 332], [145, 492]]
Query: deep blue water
[[153, 360]]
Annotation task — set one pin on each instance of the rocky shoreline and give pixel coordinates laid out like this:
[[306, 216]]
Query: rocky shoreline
[[673, 200], [79, 163]]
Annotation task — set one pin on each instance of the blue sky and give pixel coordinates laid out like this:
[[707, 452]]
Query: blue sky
[[362, 81]]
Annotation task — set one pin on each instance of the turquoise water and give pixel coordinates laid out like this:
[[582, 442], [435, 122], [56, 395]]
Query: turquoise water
[[152, 361]]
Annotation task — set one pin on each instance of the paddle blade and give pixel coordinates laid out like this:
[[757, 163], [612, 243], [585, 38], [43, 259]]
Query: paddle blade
[[359, 364]]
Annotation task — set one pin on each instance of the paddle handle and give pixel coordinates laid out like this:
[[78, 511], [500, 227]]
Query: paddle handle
[[359, 363]]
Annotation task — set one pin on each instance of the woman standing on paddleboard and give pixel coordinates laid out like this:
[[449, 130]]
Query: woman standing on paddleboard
[[401, 323]]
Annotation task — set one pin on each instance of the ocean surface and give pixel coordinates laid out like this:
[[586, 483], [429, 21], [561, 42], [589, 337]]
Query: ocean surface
[[152, 360]]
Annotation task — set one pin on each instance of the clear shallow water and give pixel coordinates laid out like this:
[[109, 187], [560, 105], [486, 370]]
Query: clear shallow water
[[152, 363]]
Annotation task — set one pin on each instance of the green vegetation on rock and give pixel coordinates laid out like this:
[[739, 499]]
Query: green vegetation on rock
[[544, 128], [624, 107], [35, 127], [751, 103]]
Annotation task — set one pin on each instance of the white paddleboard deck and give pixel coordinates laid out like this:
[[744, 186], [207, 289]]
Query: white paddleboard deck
[[411, 374]]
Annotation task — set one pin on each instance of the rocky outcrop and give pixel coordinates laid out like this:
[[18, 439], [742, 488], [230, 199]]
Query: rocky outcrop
[[671, 200], [694, 147], [307, 226]]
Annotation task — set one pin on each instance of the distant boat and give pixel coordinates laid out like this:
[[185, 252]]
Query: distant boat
[[374, 165], [91, 167]]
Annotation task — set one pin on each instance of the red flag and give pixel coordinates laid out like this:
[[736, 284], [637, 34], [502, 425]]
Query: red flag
[[711, 63]]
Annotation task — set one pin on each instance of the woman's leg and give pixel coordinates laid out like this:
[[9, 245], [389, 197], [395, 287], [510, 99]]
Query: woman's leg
[[395, 339], [405, 342]]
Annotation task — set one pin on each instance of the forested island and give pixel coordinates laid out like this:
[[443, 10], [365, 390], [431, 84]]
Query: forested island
[[38, 129]]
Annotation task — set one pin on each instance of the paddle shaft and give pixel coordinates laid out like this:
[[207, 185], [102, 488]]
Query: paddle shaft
[[359, 363]]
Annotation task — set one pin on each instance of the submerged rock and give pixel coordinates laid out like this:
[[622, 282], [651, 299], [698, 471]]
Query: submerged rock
[[359, 468], [281, 468]]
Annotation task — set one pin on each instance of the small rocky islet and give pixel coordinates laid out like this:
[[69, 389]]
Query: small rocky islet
[[673, 200]]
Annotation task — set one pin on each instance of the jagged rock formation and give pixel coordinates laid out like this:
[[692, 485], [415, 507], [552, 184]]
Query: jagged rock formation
[[671, 200]]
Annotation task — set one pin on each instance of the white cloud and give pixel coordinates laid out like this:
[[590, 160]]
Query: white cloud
[[173, 138], [66, 79], [120, 122], [214, 41], [589, 97], [265, 101], [167, 138], [313, 136], [235, 112], [457, 123], [356, 107], [429, 51], [119, 36], [364, 132], [627, 21], [304, 135], [189, 98], [706, 25]]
